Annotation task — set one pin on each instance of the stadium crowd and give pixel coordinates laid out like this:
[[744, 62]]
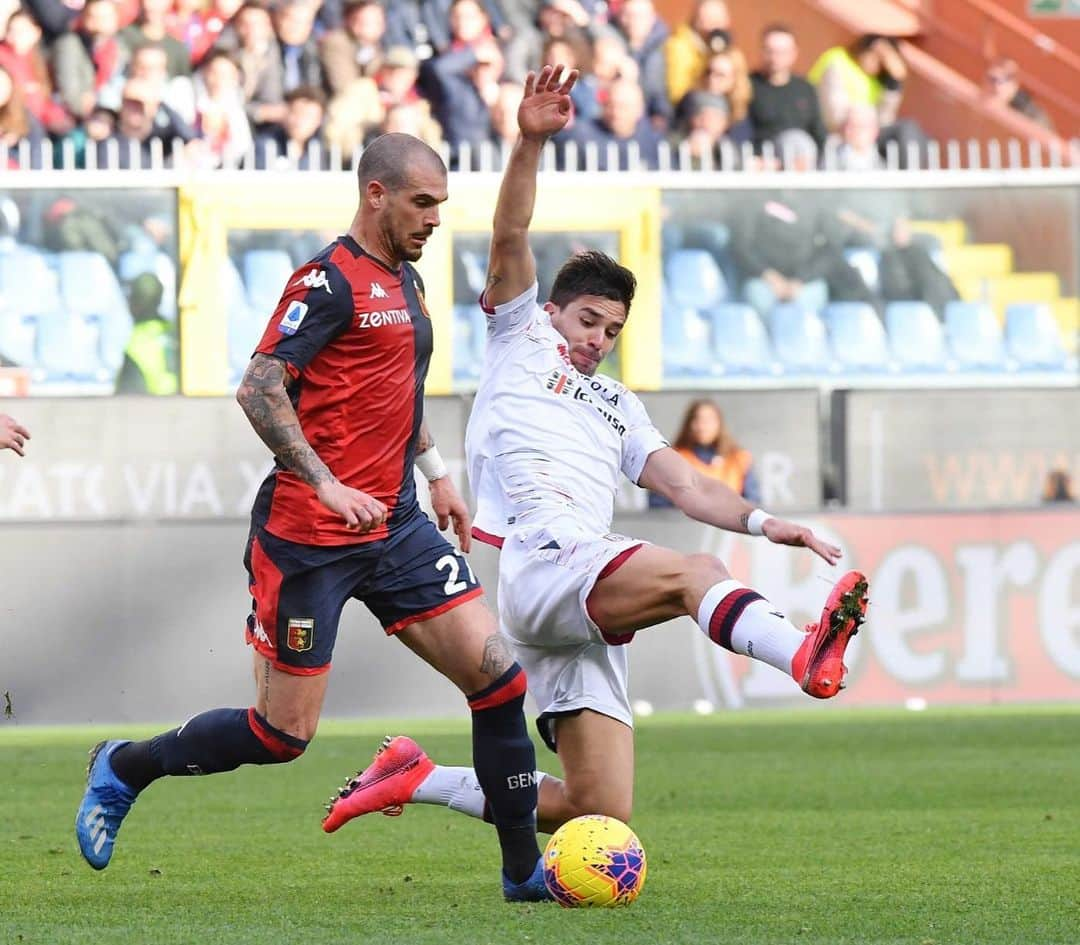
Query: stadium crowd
[[255, 83]]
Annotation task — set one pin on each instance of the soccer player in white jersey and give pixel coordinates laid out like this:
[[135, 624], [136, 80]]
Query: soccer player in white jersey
[[546, 443]]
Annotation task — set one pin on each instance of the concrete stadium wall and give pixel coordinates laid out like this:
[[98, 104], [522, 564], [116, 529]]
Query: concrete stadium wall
[[123, 597]]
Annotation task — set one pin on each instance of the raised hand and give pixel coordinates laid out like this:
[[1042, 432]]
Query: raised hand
[[782, 532], [13, 435], [545, 109]]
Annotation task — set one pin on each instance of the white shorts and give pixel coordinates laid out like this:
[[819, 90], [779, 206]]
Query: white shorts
[[545, 577]]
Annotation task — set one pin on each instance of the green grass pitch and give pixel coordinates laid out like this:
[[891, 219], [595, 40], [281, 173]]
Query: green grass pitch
[[832, 826]]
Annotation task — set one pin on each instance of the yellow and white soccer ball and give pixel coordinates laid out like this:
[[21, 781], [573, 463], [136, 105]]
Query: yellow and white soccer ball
[[594, 861]]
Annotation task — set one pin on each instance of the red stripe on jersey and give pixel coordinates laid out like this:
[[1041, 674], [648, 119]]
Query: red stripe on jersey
[[487, 538], [358, 391]]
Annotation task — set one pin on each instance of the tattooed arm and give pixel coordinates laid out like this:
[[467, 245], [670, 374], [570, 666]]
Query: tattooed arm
[[424, 439], [265, 400], [264, 397]]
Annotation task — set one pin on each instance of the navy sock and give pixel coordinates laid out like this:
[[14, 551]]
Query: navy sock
[[215, 741], [505, 762]]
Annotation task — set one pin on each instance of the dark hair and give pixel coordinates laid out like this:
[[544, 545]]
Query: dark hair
[[593, 273], [306, 93], [390, 156]]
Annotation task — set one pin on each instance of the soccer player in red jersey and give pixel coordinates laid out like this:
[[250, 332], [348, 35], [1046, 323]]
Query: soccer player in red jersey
[[336, 390]]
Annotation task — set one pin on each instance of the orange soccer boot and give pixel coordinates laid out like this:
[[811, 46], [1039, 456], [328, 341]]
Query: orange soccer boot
[[386, 785], [818, 666]]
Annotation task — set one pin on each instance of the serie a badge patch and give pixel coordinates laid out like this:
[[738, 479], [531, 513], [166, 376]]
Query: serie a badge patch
[[301, 634]]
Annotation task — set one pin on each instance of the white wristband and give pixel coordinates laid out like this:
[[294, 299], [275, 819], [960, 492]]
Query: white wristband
[[431, 464], [756, 520]]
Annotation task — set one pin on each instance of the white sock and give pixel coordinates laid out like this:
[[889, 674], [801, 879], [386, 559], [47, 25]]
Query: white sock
[[756, 628], [456, 788]]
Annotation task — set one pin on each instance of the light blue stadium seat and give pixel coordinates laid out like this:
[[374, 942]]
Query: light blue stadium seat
[[28, 283], [740, 343], [91, 292], [32, 318], [975, 336], [694, 279], [246, 324], [470, 340], [1032, 337], [916, 337], [18, 334], [857, 337], [866, 261], [687, 345], [798, 336], [266, 274], [68, 346]]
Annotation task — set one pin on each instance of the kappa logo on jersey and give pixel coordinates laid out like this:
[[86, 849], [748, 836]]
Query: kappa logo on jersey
[[316, 279], [378, 292], [294, 315]]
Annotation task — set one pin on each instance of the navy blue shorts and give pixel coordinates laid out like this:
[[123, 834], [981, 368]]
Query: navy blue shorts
[[298, 591]]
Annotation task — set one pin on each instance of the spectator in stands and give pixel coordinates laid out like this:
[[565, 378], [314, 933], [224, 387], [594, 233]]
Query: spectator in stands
[[411, 119], [150, 360], [622, 124], [856, 147], [706, 443], [1058, 487], [689, 48], [143, 126], [296, 143], [21, 56], [150, 63], [13, 435], [784, 248], [427, 25], [726, 74], [152, 26], [704, 121], [645, 34], [199, 27], [463, 82], [1003, 85], [868, 71], [782, 100], [560, 18], [17, 124], [86, 61], [294, 23], [504, 115], [573, 52], [220, 116], [905, 270], [357, 49], [259, 58]]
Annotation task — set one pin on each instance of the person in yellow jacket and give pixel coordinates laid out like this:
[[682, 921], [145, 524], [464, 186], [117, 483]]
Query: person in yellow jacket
[[868, 71], [707, 444], [150, 357], [688, 48]]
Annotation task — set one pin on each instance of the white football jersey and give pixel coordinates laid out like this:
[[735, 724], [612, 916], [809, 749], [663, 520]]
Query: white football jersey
[[545, 441]]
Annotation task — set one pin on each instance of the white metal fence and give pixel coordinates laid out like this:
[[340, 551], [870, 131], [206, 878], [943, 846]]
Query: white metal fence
[[994, 154]]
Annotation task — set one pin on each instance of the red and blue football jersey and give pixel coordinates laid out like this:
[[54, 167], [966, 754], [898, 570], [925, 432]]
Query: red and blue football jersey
[[356, 338]]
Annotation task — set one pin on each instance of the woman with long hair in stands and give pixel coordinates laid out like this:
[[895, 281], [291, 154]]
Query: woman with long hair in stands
[[707, 444]]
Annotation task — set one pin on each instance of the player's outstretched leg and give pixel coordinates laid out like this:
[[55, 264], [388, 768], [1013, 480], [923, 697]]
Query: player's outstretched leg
[[818, 666], [741, 620], [105, 803]]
